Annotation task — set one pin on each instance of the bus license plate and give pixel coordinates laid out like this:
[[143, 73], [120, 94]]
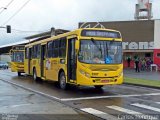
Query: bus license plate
[[105, 81]]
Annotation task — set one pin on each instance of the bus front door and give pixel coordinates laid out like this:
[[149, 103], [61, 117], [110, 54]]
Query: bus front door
[[71, 65], [43, 66]]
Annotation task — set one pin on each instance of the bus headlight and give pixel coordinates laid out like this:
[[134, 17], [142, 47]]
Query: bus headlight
[[121, 73], [84, 73], [87, 75]]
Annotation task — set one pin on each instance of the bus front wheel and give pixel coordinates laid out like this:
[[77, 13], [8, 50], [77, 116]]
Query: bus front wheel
[[62, 81], [98, 86]]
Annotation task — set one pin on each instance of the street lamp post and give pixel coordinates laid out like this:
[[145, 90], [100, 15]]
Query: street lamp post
[[8, 27]]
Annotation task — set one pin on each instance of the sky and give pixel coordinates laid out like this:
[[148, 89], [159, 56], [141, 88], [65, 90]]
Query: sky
[[40, 15]]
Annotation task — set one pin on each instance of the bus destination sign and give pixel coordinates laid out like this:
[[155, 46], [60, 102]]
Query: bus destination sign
[[18, 48], [100, 33]]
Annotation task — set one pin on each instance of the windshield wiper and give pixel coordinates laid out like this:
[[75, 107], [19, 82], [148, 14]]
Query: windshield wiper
[[93, 41]]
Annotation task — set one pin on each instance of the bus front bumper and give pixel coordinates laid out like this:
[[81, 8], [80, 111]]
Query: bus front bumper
[[17, 69], [99, 81]]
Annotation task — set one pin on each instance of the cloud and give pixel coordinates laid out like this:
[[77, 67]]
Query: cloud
[[40, 15]]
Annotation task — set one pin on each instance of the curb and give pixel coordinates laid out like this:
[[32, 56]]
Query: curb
[[57, 100], [155, 87]]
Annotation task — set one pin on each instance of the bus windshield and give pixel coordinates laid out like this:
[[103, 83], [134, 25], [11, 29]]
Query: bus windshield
[[100, 52], [18, 56]]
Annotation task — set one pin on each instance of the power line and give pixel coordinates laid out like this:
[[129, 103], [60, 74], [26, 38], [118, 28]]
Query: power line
[[6, 6], [16, 12]]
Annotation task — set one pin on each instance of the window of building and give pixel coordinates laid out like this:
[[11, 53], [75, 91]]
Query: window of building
[[158, 55], [147, 54]]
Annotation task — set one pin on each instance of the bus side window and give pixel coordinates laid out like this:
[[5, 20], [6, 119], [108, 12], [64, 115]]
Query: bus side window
[[49, 49], [55, 48], [32, 52], [26, 53], [37, 51], [62, 47]]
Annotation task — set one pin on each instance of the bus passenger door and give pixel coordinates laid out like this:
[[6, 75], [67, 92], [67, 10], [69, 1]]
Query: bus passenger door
[[43, 58], [71, 60]]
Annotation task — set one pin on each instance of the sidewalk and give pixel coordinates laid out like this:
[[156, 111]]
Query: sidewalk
[[19, 104], [147, 75]]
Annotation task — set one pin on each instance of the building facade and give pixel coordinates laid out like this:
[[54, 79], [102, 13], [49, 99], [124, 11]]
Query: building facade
[[140, 38]]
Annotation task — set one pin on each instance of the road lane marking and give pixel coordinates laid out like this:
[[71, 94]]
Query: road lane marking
[[137, 115], [93, 111], [111, 96], [146, 107], [99, 113], [32, 90], [124, 110], [80, 98], [13, 106]]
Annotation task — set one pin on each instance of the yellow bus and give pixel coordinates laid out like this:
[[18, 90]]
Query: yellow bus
[[17, 59], [88, 57]]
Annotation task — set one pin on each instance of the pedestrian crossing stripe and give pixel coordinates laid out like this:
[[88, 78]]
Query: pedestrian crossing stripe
[[121, 109], [124, 110], [99, 113], [91, 110], [146, 107], [158, 102]]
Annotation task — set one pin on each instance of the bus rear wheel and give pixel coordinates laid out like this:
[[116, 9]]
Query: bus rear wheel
[[62, 81], [98, 86]]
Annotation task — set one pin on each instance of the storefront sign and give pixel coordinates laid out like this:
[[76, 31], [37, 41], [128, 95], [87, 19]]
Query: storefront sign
[[138, 45]]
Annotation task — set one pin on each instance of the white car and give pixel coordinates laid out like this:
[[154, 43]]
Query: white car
[[3, 65]]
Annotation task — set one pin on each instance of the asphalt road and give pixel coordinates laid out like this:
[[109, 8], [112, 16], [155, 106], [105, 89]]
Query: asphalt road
[[112, 102]]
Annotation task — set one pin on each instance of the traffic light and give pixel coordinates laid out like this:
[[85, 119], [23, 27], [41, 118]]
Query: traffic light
[[8, 28]]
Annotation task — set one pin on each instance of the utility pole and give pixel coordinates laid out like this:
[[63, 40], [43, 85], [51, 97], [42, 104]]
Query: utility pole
[[8, 27]]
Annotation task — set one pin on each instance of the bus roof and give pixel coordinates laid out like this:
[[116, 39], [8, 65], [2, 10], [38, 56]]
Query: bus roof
[[67, 34]]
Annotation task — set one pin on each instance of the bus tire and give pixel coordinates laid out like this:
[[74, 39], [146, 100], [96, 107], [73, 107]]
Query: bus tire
[[98, 86], [35, 78], [62, 81], [19, 73]]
